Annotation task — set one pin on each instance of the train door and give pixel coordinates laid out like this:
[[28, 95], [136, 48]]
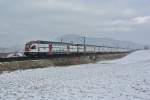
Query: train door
[[50, 49], [68, 48]]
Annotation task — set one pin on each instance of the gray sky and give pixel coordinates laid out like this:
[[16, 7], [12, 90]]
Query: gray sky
[[24, 20]]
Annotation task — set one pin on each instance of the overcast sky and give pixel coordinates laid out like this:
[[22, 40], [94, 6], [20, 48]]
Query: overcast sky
[[24, 20]]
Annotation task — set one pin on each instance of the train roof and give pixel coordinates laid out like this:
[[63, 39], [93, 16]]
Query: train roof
[[53, 42], [47, 42]]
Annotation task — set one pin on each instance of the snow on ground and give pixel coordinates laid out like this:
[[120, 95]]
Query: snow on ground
[[135, 57], [112, 81]]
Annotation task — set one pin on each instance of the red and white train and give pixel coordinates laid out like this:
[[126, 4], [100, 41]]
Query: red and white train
[[47, 48]]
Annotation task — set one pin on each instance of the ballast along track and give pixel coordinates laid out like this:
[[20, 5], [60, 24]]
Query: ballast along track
[[57, 56]]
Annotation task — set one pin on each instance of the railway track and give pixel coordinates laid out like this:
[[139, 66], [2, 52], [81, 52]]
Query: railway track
[[56, 56]]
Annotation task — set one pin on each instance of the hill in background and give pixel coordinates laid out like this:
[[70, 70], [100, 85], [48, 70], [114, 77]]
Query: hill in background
[[99, 41]]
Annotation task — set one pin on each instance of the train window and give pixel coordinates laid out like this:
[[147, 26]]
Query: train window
[[33, 47]]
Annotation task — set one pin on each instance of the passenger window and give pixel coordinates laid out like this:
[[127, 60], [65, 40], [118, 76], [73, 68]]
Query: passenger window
[[33, 47]]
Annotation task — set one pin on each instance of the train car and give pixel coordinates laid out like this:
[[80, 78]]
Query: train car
[[34, 48], [46, 48]]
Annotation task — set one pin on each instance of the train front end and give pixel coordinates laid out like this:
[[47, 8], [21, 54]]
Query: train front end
[[31, 49], [38, 49]]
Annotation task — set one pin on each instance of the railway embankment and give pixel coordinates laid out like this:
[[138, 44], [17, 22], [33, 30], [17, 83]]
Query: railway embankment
[[59, 62]]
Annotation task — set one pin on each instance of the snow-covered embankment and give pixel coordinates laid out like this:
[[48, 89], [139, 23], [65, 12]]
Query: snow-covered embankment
[[109, 81]]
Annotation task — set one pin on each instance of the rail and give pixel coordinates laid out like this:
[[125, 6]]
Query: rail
[[56, 56]]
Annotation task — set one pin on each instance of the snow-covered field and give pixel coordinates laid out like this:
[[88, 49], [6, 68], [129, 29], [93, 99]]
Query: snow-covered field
[[124, 79]]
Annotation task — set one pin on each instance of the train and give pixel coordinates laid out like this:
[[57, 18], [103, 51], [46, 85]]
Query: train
[[48, 48]]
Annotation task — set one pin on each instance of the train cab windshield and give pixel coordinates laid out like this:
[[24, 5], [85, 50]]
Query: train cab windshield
[[27, 47], [33, 47]]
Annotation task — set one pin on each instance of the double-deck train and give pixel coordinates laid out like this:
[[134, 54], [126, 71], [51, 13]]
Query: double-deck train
[[47, 48]]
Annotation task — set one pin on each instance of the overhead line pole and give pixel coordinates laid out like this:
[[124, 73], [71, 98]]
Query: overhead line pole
[[84, 44]]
